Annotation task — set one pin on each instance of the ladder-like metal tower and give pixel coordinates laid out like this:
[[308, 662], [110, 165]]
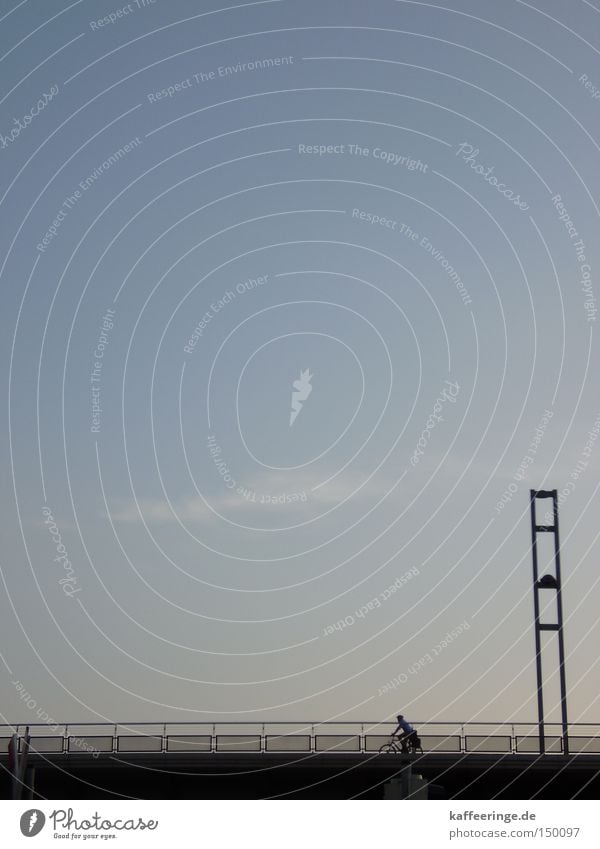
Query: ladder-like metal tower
[[545, 583]]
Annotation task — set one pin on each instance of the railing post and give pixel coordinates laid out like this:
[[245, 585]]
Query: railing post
[[13, 762]]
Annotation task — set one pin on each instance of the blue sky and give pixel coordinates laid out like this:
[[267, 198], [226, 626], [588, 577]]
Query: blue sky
[[270, 214]]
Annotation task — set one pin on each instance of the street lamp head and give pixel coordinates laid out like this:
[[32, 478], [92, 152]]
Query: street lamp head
[[548, 582]]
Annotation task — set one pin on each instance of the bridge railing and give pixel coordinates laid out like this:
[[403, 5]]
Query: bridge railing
[[297, 737]]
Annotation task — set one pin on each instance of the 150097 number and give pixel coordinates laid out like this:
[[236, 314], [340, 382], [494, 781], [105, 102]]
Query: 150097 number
[[560, 832]]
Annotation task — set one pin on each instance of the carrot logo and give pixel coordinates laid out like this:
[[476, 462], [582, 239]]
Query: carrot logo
[[302, 389]]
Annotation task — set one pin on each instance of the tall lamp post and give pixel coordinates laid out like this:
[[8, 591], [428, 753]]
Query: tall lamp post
[[546, 583]]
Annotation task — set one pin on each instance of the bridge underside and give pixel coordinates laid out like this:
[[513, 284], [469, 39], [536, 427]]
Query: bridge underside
[[316, 776]]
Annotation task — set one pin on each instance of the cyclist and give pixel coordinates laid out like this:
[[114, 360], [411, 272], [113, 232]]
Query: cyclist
[[407, 732]]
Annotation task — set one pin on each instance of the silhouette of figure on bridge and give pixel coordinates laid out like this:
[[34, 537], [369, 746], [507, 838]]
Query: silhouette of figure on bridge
[[408, 733]]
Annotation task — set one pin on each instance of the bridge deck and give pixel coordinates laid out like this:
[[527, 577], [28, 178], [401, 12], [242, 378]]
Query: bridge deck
[[302, 760], [320, 775]]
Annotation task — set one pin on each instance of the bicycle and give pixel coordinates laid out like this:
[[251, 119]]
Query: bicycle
[[402, 745]]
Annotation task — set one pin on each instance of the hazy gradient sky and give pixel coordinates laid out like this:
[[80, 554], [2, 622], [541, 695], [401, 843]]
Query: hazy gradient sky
[[228, 204]]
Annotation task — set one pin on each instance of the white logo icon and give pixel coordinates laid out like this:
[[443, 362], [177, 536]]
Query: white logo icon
[[302, 389]]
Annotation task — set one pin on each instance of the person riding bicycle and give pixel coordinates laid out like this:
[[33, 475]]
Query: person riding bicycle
[[407, 733]]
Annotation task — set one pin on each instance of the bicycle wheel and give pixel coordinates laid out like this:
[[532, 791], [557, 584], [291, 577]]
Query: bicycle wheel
[[388, 749]]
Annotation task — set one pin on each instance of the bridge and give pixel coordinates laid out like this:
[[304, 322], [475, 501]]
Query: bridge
[[316, 759]]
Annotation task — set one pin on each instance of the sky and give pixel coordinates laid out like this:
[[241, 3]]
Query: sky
[[299, 301]]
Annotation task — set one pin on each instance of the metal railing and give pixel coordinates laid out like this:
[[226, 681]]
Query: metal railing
[[296, 737]]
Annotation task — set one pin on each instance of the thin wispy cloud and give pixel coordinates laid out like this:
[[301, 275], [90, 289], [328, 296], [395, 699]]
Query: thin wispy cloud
[[193, 508]]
